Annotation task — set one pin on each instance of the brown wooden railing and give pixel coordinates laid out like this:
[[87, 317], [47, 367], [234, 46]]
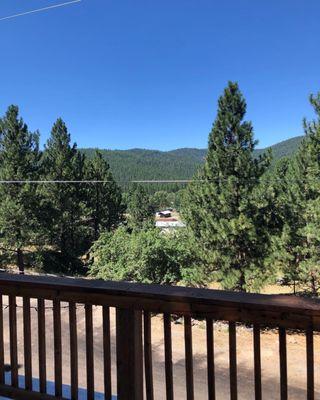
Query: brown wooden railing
[[134, 304]]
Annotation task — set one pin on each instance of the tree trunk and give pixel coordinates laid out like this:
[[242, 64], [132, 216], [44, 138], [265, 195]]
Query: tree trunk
[[96, 228], [96, 214], [313, 286], [62, 244], [20, 261], [242, 282]]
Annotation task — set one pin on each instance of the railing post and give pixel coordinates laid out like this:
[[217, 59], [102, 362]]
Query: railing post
[[129, 354]]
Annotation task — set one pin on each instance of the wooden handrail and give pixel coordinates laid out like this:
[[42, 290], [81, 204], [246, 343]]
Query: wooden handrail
[[268, 310], [134, 304]]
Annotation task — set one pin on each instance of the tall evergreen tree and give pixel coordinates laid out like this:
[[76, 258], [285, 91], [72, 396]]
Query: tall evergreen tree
[[298, 245], [222, 207], [19, 161], [64, 202], [104, 200], [161, 200], [139, 209]]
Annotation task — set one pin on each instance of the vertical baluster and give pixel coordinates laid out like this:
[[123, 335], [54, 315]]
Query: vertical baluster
[[106, 353], [257, 362], [73, 350], [27, 343], [310, 364], [13, 340], [148, 356], [89, 352], [233, 361], [57, 347], [168, 355], [42, 346], [210, 360], [1, 343], [189, 357], [129, 354], [283, 364]]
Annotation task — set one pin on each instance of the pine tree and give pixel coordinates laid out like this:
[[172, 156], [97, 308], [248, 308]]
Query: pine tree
[[222, 207], [161, 200], [298, 246], [64, 202], [139, 209], [19, 161], [310, 266], [104, 200]]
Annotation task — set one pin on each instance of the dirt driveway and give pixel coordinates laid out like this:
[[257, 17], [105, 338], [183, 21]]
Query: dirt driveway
[[269, 345]]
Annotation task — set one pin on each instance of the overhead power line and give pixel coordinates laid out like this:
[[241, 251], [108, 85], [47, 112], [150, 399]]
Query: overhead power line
[[185, 181], [95, 181], [40, 9]]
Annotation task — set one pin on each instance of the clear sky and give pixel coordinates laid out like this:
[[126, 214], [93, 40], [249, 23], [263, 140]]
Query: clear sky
[[146, 73]]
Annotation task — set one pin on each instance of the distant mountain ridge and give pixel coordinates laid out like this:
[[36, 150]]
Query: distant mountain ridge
[[142, 164]]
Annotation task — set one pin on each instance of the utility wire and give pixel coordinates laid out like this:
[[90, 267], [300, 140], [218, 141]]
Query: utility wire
[[216, 180], [40, 9], [96, 181]]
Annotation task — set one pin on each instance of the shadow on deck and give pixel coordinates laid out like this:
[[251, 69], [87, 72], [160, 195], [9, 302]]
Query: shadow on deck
[[66, 389]]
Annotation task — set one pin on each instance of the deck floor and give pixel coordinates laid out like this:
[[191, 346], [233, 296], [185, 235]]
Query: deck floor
[[66, 390]]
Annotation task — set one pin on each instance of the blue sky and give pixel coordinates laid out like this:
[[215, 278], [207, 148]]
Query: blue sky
[[145, 73]]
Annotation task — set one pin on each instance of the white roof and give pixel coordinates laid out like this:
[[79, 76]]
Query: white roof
[[170, 224]]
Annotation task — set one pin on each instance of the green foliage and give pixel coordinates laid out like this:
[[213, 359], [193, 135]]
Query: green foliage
[[63, 202], [222, 206], [141, 164], [139, 209], [147, 256], [54, 262], [195, 271], [298, 245], [103, 197], [57, 220], [19, 158], [161, 200], [244, 219], [286, 148]]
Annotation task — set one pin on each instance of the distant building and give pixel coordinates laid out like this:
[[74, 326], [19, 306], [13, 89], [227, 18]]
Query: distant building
[[169, 223]]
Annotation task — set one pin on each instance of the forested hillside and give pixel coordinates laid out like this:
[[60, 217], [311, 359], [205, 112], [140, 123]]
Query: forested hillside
[[152, 164], [136, 164], [283, 149]]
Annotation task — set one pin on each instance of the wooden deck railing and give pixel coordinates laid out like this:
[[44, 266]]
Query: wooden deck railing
[[134, 304]]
